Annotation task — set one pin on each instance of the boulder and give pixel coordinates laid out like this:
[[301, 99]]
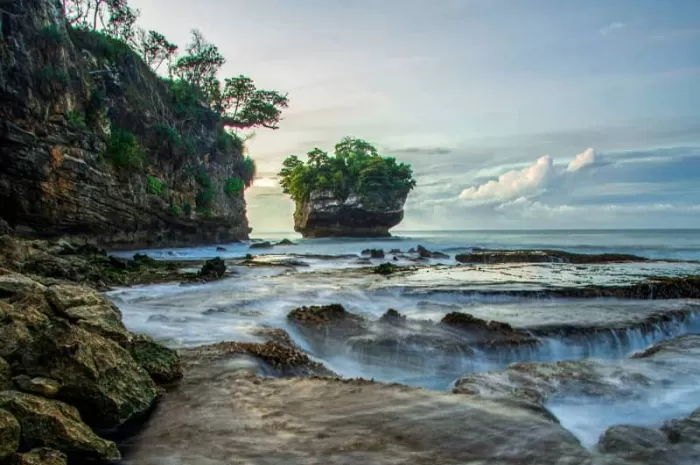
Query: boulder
[[632, 442], [9, 434], [53, 424], [261, 245], [374, 253], [393, 317], [213, 269], [686, 430], [97, 375], [425, 253], [5, 375], [42, 386], [326, 321], [488, 332], [43, 456], [161, 363], [284, 242]]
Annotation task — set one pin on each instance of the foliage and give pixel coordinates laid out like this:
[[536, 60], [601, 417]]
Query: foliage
[[172, 136], [201, 64], [186, 99], [244, 106], [202, 178], [102, 45], [175, 211], [52, 33], [227, 141], [234, 186], [124, 151], [76, 119], [187, 209], [205, 200], [154, 48], [114, 16], [155, 185], [385, 269], [249, 171], [356, 166]]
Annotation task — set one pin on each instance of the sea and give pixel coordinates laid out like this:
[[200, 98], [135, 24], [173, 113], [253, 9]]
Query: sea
[[324, 271]]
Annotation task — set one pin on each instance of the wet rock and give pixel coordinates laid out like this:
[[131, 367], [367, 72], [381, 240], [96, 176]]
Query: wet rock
[[9, 434], [161, 363], [42, 386], [221, 249], [326, 321], [277, 335], [374, 253], [483, 256], [488, 332], [393, 317], [97, 375], [425, 253], [261, 245], [284, 242], [283, 359], [213, 269], [633, 442], [42, 456], [686, 431], [345, 422], [386, 269], [53, 424]]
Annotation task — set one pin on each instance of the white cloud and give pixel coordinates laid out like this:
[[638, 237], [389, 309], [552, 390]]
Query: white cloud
[[612, 27], [586, 158], [513, 184]]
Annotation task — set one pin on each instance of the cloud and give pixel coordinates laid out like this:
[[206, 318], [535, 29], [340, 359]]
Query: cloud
[[587, 158], [611, 28]]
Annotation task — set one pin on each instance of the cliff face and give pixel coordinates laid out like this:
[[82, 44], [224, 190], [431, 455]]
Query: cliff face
[[325, 215], [75, 106]]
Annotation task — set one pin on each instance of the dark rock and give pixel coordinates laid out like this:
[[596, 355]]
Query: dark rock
[[393, 317], [53, 424], [632, 442], [542, 256], [261, 245], [326, 321], [42, 456], [386, 269], [325, 215], [5, 375], [54, 180], [221, 249], [161, 363], [285, 242], [213, 269], [9, 434], [42, 386], [373, 253], [425, 253], [684, 431], [395, 251]]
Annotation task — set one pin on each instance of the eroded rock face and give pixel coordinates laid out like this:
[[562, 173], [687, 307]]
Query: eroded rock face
[[9, 434], [43, 456], [542, 256], [325, 215], [62, 98]]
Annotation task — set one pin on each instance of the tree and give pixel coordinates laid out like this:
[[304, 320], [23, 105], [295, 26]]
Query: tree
[[201, 64], [244, 106], [154, 48]]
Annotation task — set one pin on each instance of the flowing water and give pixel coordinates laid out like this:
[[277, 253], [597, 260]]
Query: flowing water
[[314, 272]]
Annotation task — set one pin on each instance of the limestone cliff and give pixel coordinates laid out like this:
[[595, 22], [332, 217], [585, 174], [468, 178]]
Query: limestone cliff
[[327, 215], [69, 98]]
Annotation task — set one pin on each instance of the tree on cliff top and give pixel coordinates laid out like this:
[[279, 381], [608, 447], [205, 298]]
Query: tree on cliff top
[[356, 166]]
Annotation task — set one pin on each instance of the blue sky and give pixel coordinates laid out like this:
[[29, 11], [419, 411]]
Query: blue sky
[[490, 100]]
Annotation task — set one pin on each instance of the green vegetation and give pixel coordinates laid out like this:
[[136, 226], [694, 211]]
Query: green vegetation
[[175, 211], [53, 77], [356, 166], [227, 141], [124, 151], [385, 269], [76, 119], [202, 178], [234, 186], [155, 185], [249, 171], [52, 33], [175, 139], [102, 44], [187, 209]]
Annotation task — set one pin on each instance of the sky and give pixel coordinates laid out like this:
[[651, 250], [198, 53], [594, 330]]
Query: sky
[[515, 114]]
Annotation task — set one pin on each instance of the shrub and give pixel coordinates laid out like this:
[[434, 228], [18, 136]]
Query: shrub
[[385, 269], [174, 210], [187, 99], [249, 171], [155, 185], [52, 33], [202, 178], [234, 186], [187, 209], [76, 119], [204, 199], [100, 44], [227, 141], [124, 151]]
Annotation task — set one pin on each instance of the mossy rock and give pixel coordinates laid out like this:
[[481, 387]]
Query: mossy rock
[[43, 456], [43, 386], [213, 269], [53, 424], [161, 363], [5, 375], [9, 434], [97, 375]]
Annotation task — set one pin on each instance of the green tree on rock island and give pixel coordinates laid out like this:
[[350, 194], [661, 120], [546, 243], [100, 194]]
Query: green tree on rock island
[[354, 192]]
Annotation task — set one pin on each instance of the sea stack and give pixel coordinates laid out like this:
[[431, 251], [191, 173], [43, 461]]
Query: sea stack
[[355, 193]]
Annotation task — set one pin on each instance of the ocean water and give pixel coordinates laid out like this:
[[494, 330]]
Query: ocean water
[[263, 295], [679, 244]]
